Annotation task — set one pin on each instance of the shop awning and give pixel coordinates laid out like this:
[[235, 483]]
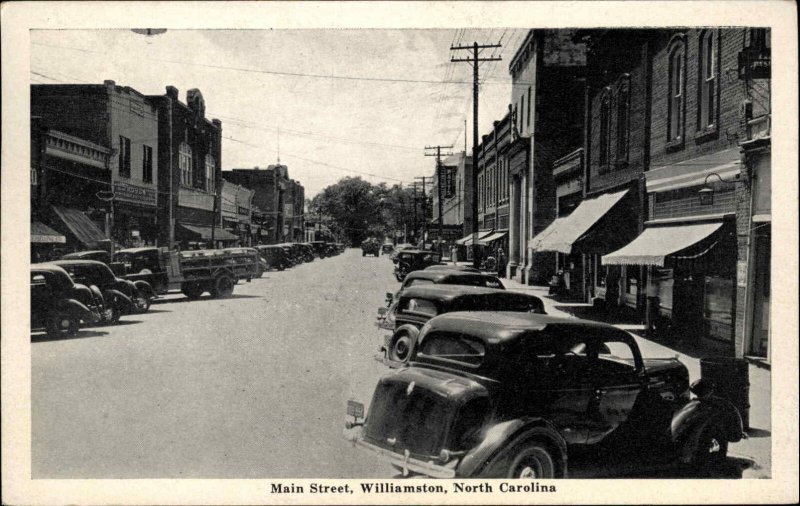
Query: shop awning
[[204, 233], [42, 234], [656, 243], [496, 236], [564, 232], [81, 226], [467, 239], [726, 163]]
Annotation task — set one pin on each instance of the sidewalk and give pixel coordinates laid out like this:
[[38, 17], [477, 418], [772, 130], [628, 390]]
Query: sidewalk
[[755, 451]]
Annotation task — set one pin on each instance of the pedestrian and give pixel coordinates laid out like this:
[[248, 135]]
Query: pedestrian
[[501, 263]]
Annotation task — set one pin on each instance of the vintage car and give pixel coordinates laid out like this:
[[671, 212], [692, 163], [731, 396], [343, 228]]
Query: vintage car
[[387, 248], [418, 304], [309, 254], [121, 296], [99, 255], [512, 395], [275, 256], [410, 260], [58, 304], [452, 267], [370, 246], [321, 248]]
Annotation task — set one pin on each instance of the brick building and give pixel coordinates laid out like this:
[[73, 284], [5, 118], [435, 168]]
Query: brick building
[[108, 117], [545, 117], [456, 174], [493, 186], [279, 199], [692, 255], [189, 172]]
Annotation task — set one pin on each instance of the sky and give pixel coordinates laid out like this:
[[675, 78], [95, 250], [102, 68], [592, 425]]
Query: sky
[[337, 102]]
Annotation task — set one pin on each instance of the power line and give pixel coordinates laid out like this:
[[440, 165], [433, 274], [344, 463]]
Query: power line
[[285, 73]]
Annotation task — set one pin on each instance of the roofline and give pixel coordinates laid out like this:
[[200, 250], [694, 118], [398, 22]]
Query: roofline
[[520, 49]]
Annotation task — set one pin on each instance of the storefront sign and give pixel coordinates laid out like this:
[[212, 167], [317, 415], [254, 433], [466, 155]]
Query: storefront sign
[[127, 192], [741, 273]]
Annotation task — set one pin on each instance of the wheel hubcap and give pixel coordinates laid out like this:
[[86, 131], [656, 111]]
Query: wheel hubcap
[[713, 446], [527, 472], [65, 324]]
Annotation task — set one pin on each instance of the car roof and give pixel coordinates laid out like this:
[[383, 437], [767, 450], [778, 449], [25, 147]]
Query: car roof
[[79, 254], [450, 292], [138, 250], [48, 267], [451, 267], [505, 326], [440, 274], [79, 262]]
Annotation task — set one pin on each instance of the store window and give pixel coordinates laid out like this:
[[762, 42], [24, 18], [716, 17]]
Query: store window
[[623, 125], [707, 81], [185, 163], [605, 128], [147, 164]]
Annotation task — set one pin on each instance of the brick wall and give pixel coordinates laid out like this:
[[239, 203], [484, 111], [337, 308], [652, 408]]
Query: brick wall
[[731, 93]]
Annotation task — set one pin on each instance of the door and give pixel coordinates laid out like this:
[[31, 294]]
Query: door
[[761, 286], [617, 383]]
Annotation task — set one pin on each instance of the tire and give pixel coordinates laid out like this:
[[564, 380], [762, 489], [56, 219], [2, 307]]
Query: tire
[[401, 348], [532, 461], [115, 314], [711, 451], [61, 325], [223, 286], [363, 253], [192, 290], [142, 303]]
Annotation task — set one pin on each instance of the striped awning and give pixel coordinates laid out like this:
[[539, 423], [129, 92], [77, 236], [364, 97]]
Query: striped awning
[[726, 163], [42, 234], [204, 232], [80, 225], [564, 232], [496, 236], [467, 239], [658, 242]]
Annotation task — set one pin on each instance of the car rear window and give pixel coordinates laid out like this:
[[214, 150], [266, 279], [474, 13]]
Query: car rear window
[[453, 348]]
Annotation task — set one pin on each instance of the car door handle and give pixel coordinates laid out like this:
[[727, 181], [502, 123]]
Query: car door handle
[[601, 391]]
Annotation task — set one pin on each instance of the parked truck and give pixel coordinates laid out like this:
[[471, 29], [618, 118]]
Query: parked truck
[[192, 272]]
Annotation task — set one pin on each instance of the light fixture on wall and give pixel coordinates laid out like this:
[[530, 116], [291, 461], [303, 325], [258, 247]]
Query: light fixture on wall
[[706, 193]]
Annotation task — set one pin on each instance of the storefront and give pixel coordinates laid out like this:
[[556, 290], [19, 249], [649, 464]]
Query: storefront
[[46, 243], [135, 221], [692, 273]]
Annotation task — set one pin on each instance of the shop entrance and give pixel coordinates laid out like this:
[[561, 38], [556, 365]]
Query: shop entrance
[[761, 291]]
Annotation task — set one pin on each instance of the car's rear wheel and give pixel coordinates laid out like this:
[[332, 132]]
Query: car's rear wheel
[[223, 286], [142, 303], [62, 325], [711, 451], [192, 290], [532, 461], [115, 314]]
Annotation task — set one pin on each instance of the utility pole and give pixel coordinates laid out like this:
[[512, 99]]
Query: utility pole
[[424, 210], [414, 230], [475, 61], [438, 156]]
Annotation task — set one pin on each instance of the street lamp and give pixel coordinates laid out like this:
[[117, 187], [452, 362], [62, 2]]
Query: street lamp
[[706, 193]]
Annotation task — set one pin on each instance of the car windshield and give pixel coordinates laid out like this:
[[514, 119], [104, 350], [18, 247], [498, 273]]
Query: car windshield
[[94, 274], [454, 348]]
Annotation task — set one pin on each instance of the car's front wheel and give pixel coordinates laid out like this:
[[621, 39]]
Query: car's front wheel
[[142, 302], [62, 325], [532, 461], [711, 451], [192, 290], [223, 286]]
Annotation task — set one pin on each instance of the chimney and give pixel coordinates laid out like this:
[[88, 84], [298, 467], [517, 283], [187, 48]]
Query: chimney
[[217, 123], [109, 84], [172, 92]]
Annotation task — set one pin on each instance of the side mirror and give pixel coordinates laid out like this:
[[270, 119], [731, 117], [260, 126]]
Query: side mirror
[[382, 311]]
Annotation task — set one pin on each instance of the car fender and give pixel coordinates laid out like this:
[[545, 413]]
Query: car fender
[[77, 310], [123, 301], [503, 438], [145, 288], [689, 421], [98, 295]]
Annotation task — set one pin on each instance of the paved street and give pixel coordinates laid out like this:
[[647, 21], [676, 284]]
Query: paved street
[[253, 386], [249, 387]]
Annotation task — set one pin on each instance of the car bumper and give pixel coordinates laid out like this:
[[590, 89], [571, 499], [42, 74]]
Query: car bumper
[[403, 461]]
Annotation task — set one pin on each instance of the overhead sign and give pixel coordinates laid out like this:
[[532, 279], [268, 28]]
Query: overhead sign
[[126, 192]]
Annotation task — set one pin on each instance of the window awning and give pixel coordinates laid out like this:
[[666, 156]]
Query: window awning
[[564, 232], [726, 163], [467, 239], [656, 243], [496, 236], [42, 234], [80, 225], [204, 233]]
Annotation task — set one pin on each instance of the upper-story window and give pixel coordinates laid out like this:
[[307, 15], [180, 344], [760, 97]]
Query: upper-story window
[[124, 157], [675, 106], [209, 171], [528, 119], [623, 120], [707, 81], [185, 163], [147, 164], [605, 127]]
